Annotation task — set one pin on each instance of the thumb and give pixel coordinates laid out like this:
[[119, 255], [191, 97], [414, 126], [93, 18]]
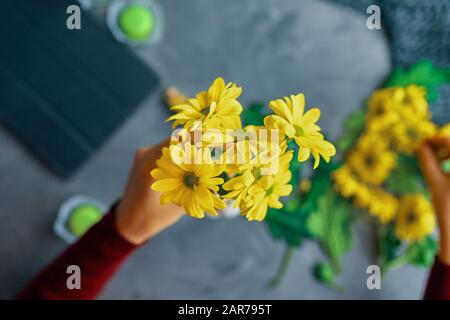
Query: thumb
[[429, 164]]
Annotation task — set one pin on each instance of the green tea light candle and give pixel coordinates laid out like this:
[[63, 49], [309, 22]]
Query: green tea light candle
[[82, 218], [136, 21]]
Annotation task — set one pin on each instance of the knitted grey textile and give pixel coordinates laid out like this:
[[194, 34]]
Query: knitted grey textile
[[416, 30], [441, 108]]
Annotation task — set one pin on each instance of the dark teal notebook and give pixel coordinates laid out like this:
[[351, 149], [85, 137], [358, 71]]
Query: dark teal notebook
[[63, 92]]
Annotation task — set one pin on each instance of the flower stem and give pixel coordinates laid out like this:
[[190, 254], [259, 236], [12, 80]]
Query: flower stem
[[336, 286], [285, 261], [397, 262]]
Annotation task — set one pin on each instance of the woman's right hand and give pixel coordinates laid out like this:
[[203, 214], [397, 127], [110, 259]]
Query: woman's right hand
[[439, 184]]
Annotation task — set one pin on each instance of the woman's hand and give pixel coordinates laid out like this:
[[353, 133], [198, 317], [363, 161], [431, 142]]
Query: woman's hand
[[140, 215], [439, 184]]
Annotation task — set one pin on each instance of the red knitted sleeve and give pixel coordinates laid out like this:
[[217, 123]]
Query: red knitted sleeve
[[438, 286], [98, 254]]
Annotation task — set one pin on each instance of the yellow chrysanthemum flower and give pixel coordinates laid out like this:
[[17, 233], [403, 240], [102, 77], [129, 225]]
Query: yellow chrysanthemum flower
[[242, 151], [414, 101], [266, 192], [362, 197], [188, 184], [408, 134], [382, 109], [415, 218], [401, 115], [213, 109], [389, 106], [379, 203], [383, 205], [292, 120], [252, 147], [239, 185], [350, 187], [371, 160], [445, 130], [398, 119], [345, 182]]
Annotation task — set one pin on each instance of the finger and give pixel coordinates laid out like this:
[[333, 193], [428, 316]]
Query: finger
[[161, 145], [429, 164], [145, 157], [441, 145], [155, 150]]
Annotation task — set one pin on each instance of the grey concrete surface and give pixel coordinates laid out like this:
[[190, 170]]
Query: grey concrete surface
[[272, 48]]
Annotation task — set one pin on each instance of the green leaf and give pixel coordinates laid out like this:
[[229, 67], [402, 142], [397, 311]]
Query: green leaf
[[420, 253], [254, 114], [330, 224], [320, 183], [388, 243], [423, 73], [289, 223], [323, 272], [286, 225], [406, 177], [353, 127], [295, 168], [424, 251]]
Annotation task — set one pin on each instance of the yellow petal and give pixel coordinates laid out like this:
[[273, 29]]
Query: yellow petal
[[275, 203], [211, 183], [229, 107], [281, 109], [283, 190], [166, 198], [216, 89], [248, 178], [298, 106], [159, 174], [231, 122], [204, 197], [219, 203], [316, 158], [166, 184], [303, 154], [311, 116]]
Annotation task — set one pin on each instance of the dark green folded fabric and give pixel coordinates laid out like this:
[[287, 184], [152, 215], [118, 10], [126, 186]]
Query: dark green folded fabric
[[63, 92]]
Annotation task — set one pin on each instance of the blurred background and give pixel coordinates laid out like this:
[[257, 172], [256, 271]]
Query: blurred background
[[271, 48]]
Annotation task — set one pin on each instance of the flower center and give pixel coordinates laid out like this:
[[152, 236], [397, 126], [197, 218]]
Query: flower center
[[190, 180], [205, 111], [299, 131], [256, 173], [211, 109], [369, 159], [379, 111], [412, 134], [410, 218], [407, 100]]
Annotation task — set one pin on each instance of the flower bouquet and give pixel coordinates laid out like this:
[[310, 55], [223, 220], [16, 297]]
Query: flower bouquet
[[212, 157], [380, 174], [220, 151]]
